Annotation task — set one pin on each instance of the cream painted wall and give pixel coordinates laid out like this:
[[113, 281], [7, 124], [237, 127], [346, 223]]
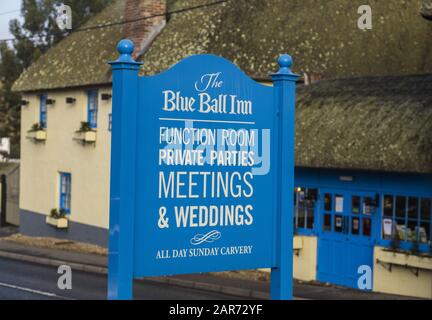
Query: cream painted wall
[[305, 258], [306, 261], [89, 165], [400, 280]]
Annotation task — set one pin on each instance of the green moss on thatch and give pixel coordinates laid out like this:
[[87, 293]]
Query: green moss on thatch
[[382, 123], [379, 123], [322, 36]]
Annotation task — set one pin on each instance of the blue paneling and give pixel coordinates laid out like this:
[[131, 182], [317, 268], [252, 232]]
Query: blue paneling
[[368, 181]]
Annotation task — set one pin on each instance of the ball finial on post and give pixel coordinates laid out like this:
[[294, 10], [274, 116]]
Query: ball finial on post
[[126, 47], [285, 63]]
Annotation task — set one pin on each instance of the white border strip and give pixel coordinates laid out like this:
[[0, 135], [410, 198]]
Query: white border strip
[[42, 293], [215, 121]]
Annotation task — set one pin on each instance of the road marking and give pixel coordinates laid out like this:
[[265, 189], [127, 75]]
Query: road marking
[[42, 293], [211, 121]]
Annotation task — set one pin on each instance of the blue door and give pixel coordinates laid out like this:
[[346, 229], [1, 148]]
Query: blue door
[[348, 222]]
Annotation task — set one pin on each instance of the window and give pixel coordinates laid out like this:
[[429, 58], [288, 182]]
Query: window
[[328, 202], [355, 226], [369, 205], [304, 207], [367, 227], [327, 225], [65, 192], [425, 227], [355, 204], [407, 218], [43, 111], [338, 223], [388, 206], [92, 108]]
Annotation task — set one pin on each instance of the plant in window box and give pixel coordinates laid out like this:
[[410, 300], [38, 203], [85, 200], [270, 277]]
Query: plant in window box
[[57, 218], [395, 242], [415, 247], [85, 134], [37, 132]]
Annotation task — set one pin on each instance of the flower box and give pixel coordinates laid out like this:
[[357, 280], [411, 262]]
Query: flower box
[[37, 135], [404, 259], [59, 223], [85, 136]]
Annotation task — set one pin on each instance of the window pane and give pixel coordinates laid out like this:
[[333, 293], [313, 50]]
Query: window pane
[[310, 218], [327, 222], [92, 108], [367, 227], [339, 203], [424, 232], [368, 205], [65, 192], [412, 208], [425, 209], [301, 217], [43, 111], [387, 228], [312, 195], [301, 197], [355, 204], [355, 226], [400, 228], [411, 230], [328, 202], [388, 206], [338, 224], [400, 207]]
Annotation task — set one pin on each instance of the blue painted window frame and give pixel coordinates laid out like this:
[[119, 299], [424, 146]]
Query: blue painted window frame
[[92, 108], [304, 230], [415, 185], [405, 243], [65, 191], [43, 110]]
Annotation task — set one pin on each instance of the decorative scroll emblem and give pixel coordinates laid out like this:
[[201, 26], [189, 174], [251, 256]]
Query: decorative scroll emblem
[[210, 237]]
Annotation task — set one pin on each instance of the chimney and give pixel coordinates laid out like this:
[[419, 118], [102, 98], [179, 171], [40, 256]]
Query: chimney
[[312, 78], [143, 31]]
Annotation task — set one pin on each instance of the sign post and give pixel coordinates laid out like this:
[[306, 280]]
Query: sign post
[[202, 172], [123, 149], [284, 84]]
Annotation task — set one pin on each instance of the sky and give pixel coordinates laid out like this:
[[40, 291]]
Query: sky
[[5, 7]]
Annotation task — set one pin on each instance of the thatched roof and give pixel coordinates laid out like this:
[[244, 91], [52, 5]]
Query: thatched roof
[[382, 123], [371, 123], [322, 36]]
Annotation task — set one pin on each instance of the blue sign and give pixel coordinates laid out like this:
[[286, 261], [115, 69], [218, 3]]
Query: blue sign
[[202, 171]]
